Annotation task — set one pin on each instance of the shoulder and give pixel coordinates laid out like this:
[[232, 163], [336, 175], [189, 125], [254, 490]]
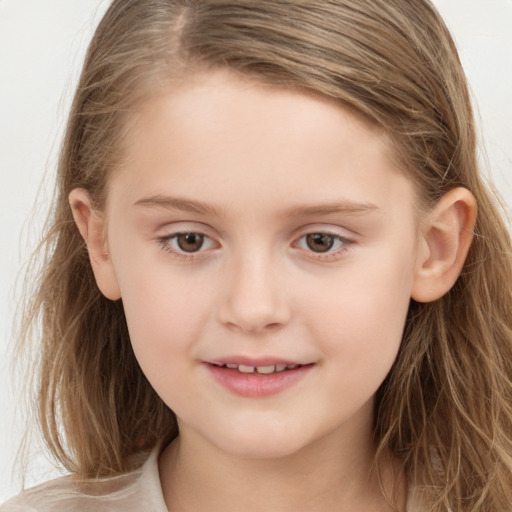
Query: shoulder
[[50, 496], [132, 492], [65, 494]]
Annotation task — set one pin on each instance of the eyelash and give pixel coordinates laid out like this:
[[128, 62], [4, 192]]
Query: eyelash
[[166, 243], [342, 244]]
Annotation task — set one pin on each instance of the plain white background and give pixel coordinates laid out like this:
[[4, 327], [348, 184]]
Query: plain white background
[[42, 44]]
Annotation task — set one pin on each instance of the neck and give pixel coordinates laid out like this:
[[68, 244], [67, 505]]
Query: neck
[[327, 477]]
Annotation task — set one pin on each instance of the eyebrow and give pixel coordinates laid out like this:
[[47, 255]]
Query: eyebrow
[[346, 207], [202, 208], [178, 203]]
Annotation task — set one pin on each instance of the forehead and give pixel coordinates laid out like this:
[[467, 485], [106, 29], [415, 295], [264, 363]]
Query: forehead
[[219, 131], [197, 90]]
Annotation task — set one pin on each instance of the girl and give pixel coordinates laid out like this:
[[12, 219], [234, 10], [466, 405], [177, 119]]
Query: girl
[[267, 285]]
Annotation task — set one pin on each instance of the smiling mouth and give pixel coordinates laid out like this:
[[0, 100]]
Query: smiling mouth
[[261, 370], [258, 379]]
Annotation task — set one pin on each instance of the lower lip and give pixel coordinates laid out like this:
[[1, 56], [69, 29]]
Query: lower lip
[[256, 385]]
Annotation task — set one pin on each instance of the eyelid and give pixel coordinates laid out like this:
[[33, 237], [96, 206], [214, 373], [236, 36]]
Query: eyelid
[[170, 233], [347, 242]]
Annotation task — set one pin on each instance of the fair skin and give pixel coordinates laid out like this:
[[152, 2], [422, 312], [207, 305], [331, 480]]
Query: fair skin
[[304, 247]]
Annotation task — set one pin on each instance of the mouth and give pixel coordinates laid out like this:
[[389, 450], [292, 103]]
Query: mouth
[[261, 369], [258, 379]]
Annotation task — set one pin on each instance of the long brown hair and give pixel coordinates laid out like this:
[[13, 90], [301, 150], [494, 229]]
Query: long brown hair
[[445, 408]]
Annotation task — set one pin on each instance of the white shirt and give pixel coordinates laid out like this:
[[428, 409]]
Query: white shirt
[[138, 491]]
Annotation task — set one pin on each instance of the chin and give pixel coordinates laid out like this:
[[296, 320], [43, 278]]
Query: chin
[[259, 443], [262, 450]]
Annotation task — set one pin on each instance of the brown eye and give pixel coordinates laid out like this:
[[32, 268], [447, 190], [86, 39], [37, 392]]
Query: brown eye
[[190, 242], [320, 242]]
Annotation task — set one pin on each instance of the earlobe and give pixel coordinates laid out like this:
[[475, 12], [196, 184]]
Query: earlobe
[[446, 237], [91, 224]]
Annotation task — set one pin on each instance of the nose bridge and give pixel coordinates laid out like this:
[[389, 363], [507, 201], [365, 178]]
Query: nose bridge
[[254, 298]]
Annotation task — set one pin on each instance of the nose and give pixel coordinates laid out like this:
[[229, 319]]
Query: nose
[[255, 298]]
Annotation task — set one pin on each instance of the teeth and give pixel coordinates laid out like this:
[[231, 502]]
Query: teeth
[[265, 370], [245, 369]]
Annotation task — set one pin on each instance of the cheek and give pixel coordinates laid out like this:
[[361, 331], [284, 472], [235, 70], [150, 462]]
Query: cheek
[[165, 310], [164, 323], [359, 315]]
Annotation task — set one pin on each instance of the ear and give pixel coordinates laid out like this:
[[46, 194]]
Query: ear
[[446, 237], [91, 224]]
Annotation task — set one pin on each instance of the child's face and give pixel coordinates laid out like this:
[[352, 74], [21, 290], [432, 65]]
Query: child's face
[[301, 250]]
